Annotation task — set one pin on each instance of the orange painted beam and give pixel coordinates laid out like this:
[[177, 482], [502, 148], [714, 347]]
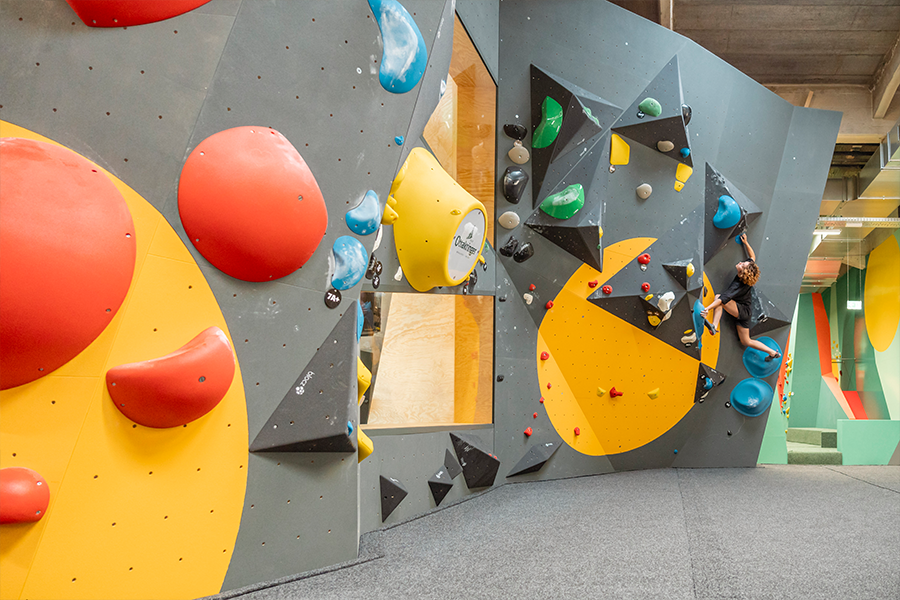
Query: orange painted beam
[[856, 404], [823, 334]]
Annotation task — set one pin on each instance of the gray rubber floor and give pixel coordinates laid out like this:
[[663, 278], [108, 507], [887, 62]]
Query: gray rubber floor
[[792, 532]]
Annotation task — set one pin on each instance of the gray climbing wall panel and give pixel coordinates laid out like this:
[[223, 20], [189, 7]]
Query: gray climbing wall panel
[[772, 151], [481, 19]]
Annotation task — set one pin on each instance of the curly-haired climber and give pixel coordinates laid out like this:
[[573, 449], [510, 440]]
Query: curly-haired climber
[[736, 301]]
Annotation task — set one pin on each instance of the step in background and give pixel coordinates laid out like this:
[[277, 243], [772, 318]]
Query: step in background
[[809, 454], [824, 438]]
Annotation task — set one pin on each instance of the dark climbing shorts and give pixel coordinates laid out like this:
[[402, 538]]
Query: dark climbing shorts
[[744, 315]]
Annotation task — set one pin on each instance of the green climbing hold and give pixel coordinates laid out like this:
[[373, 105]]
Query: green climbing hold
[[551, 121], [564, 204], [590, 116], [651, 107]]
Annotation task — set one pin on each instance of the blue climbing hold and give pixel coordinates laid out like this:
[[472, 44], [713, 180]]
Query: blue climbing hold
[[359, 320], [707, 383], [366, 217], [405, 56], [349, 428], [685, 152], [728, 214], [755, 360], [751, 397], [398, 140], [350, 261]]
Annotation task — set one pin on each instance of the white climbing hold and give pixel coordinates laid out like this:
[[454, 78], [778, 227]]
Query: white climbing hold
[[644, 190], [665, 301], [665, 146], [509, 220], [528, 298], [689, 339], [399, 274]]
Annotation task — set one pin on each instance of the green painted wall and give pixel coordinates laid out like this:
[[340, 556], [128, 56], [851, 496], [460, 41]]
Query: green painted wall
[[806, 378], [867, 442]]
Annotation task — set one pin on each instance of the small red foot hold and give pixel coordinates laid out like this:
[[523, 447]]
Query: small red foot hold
[[549, 304], [592, 284], [541, 400], [577, 431], [644, 258], [549, 385], [645, 287], [613, 393], [534, 415], [606, 289], [528, 432], [545, 355], [532, 287]]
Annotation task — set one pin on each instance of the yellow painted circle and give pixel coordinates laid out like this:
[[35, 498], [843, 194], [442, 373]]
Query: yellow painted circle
[[134, 512], [591, 349], [882, 299]]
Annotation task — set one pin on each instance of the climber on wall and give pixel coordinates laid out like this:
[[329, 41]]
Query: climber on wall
[[736, 301]]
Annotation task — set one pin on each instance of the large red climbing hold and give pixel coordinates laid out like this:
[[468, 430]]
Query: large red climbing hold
[[250, 204], [67, 252], [644, 259], [613, 393], [545, 355], [177, 388], [24, 495], [127, 13]]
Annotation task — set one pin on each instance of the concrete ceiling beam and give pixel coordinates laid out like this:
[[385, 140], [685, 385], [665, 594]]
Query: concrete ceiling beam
[[887, 79]]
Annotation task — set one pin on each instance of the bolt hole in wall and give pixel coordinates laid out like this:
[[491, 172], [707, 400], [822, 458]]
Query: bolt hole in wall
[[431, 355]]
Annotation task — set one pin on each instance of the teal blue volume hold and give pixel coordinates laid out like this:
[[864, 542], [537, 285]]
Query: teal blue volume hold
[[405, 56], [360, 320], [365, 218], [728, 213], [752, 397], [755, 360], [350, 261]]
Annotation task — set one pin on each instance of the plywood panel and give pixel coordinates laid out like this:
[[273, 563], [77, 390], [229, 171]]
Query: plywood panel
[[473, 348]]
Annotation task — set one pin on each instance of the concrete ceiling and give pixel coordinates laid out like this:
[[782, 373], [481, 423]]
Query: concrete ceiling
[[841, 55]]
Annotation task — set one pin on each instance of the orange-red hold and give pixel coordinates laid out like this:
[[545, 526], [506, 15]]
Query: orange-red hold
[[528, 431], [177, 388], [545, 355], [541, 400], [644, 258], [534, 415], [126, 13], [549, 385], [645, 287], [592, 284], [532, 287], [614, 393], [606, 289], [24, 495], [577, 431], [549, 304]]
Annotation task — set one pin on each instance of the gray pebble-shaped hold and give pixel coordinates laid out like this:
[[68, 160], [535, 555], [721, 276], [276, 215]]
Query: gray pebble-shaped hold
[[644, 190], [509, 220], [686, 113], [665, 146]]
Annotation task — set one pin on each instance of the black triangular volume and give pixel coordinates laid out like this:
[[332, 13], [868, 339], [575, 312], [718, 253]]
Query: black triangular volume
[[317, 412], [651, 133], [440, 484], [578, 126], [665, 89], [716, 239], [451, 464], [542, 86], [536, 457], [587, 167], [635, 310], [478, 465], [392, 494], [605, 112], [764, 315], [581, 242], [707, 379], [678, 269]]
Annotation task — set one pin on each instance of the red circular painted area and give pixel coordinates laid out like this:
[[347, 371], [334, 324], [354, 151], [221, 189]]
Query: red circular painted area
[[24, 495], [177, 388], [250, 204], [67, 251]]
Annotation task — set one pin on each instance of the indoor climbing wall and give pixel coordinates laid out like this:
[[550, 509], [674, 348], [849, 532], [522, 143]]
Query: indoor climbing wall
[[632, 159], [241, 154]]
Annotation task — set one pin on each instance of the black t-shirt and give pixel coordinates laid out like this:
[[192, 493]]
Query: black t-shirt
[[738, 291]]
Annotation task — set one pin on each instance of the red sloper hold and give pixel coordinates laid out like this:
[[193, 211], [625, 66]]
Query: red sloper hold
[[127, 13], [177, 388], [250, 204], [24, 495], [67, 252]]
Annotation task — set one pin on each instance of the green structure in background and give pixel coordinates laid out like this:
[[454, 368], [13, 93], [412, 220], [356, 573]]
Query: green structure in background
[[867, 442]]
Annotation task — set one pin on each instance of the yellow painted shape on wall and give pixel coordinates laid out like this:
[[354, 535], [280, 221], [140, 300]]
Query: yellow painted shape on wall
[[591, 348], [882, 293], [113, 529], [619, 151]]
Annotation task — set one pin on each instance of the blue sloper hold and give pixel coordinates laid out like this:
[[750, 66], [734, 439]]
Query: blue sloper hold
[[350, 260], [366, 216], [360, 320], [755, 360], [751, 397], [728, 214], [405, 56]]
